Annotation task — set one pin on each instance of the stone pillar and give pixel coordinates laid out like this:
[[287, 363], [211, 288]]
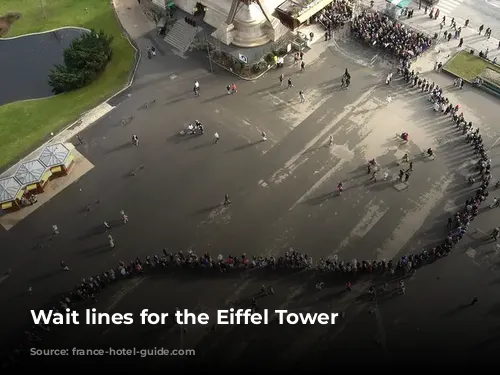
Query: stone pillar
[[225, 33]]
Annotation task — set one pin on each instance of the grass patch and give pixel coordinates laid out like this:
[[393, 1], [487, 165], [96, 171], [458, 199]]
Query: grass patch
[[24, 125], [468, 66]]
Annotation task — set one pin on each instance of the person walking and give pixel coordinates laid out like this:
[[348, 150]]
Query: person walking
[[216, 138], [111, 241], [263, 135], [124, 217], [301, 96], [226, 199]]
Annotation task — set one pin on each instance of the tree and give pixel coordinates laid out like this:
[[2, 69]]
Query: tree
[[85, 58]]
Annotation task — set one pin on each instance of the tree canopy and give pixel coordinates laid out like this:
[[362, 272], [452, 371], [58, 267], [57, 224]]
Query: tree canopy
[[86, 57]]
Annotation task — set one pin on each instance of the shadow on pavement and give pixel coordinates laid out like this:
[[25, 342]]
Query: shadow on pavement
[[245, 146], [121, 147], [456, 310]]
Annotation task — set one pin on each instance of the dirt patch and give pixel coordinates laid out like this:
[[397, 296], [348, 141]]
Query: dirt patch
[[7, 21]]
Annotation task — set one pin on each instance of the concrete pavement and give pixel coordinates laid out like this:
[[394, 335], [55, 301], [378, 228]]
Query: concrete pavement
[[426, 319], [445, 50], [282, 197]]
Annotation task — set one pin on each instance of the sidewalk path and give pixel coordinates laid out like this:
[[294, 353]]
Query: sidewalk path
[[133, 19], [444, 50]]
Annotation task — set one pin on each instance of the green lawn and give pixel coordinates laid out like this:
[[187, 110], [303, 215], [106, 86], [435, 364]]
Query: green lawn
[[23, 125], [468, 66]]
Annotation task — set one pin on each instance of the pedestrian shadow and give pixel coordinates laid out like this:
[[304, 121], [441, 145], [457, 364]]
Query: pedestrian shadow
[[494, 310], [326, 296], [179, 99], [315, 201], [245, 146], [45, 276], [94, 231], [214, 98], [380, 185], [456, 310], [121, 147], [487, 343], [312, 149], [207, 209], [95, 250], [202, 145], [85, 209], [133, 172], [494, 282], [179, 138]]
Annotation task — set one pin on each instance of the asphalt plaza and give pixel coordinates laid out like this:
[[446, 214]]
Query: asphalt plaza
[[282, 194]]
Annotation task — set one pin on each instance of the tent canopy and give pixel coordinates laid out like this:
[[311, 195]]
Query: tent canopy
[[30, 172], [9, 187], [54, 155], [400, 3]]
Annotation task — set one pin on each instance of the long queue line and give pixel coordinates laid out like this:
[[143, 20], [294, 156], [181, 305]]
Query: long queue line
[[373, 29]]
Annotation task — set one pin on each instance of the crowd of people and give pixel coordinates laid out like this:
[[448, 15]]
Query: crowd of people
[[459, 223], [335, 15], [377, 29], [89, 287], [373, 28]]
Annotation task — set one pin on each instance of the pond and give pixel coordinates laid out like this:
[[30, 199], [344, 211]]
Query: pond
[[26, 61]]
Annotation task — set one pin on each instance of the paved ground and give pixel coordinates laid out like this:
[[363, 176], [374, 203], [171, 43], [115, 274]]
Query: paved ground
[[485, 12], [481, 12], [282, 197], [24, 79], [434, 317]]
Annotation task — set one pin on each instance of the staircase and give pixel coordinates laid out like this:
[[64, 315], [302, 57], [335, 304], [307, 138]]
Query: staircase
[[181, 35]]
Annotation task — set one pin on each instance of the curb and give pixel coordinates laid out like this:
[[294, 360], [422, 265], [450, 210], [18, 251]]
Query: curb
[[35, 34], [138, 57], [240, 76], [453, 74], [482, 88], [450, 73], [44, 32]]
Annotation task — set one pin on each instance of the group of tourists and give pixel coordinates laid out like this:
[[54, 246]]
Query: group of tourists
[[335, 15], [377, 29], [89, 287], [458, 224]]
